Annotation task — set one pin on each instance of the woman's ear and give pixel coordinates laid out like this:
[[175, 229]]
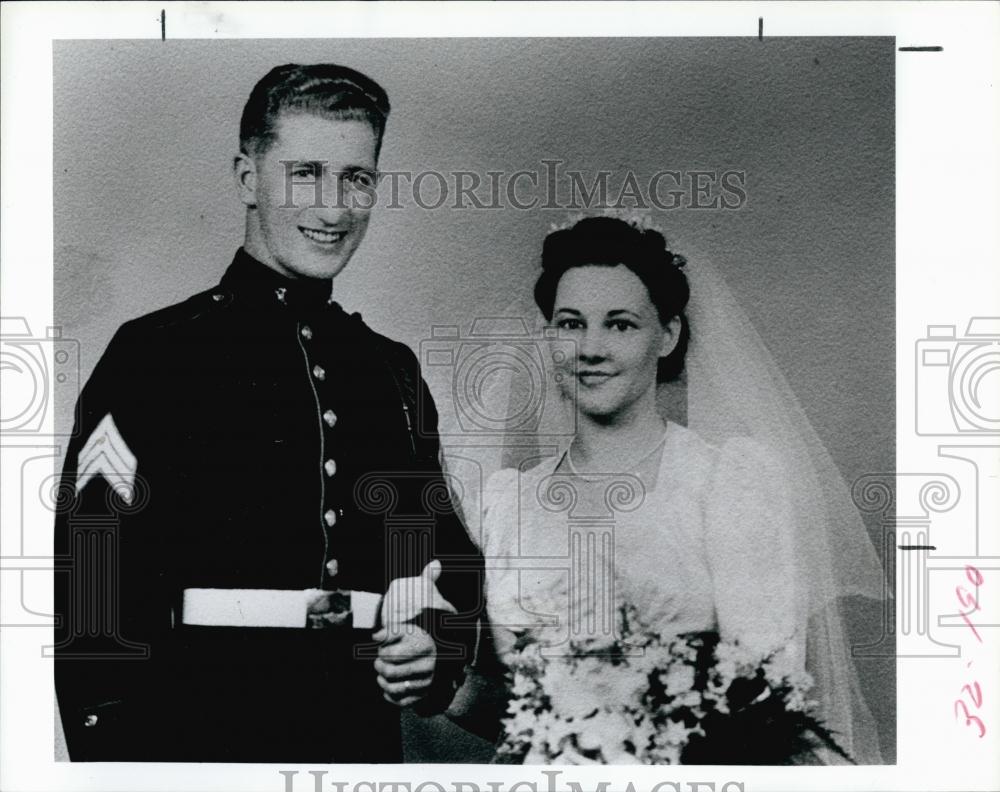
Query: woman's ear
[[671, 335], [245, 173]]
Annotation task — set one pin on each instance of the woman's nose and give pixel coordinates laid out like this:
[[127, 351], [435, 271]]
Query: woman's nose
[[591, 346]]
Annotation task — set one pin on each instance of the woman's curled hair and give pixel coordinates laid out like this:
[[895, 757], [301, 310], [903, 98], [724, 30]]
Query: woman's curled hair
[[609, 242]]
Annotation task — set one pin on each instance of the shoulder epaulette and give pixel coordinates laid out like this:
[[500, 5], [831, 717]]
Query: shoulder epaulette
[[185, 311]]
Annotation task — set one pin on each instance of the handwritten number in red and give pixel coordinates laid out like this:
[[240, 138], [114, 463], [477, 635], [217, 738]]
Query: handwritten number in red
[[969, 719], [977, 697], [967, 599]]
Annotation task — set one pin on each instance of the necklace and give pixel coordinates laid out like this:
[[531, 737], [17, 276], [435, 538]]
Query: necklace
[[573, 469]]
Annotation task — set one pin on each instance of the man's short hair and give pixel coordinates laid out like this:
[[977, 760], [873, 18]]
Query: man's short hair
[[323, 89]]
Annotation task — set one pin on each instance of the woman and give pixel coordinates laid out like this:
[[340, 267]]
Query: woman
[[725, 525]]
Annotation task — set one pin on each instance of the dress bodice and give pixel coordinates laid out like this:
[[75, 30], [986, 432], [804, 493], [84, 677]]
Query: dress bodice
[[700, 548]]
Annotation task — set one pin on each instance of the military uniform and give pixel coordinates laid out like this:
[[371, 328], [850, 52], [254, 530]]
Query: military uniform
[[256, 432]]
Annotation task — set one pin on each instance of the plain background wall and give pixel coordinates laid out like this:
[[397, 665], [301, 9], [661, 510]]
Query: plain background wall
[[146, 214]]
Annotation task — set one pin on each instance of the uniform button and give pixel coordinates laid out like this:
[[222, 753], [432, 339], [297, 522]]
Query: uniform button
[[330, 517], [330, 417], [218, 297], [90, 720], [280, 293], [307, 332], [332, 567], [319, 373], [330, 467]]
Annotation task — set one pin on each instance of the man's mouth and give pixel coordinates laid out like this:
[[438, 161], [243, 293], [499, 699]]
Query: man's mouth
[[323, 237]]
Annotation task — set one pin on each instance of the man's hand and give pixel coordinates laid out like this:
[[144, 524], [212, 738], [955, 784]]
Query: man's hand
[[408, 654], [407, 597], [405, 664]]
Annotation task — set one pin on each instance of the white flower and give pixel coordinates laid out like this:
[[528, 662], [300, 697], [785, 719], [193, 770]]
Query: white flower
[[569, 697], [523, 685], [537, 755], [524, 723], [691, 699], [676, 733], [581, 687], [607, 732], [591, 735], [678, 679], [781, 665], [796, 701], [643, 734], [621, 756]]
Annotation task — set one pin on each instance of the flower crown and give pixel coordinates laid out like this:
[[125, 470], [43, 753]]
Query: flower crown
[[639, 219]]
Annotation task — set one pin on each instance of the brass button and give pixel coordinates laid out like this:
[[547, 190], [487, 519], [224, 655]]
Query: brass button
[[218, 297], [330, 517], [90, 721], [330, 417], [332, 567], [307, 332], [330, 467], [319, 373]]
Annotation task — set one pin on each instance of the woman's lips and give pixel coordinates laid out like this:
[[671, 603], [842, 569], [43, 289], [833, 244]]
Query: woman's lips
[[594, 378]]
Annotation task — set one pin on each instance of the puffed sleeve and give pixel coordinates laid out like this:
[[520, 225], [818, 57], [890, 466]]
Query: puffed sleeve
[[481, 702], [499, 541], [750, 549]]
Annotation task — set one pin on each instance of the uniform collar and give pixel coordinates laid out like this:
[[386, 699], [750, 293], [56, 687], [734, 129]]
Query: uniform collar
[[254, 281]]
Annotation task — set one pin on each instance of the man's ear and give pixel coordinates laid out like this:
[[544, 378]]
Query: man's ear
[[671, 335], [245, 173]]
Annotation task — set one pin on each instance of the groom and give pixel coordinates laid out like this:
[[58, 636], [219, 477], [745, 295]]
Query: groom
[[249, 474]]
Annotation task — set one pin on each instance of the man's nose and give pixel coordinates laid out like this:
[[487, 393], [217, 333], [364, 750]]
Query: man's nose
[[335, 203]]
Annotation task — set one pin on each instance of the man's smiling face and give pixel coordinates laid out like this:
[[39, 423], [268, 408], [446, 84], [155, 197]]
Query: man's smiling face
[[297, 226]]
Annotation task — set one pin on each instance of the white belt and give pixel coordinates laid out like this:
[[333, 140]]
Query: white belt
[[208, 607], [405, 599]]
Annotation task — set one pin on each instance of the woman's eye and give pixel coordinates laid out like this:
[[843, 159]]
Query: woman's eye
[[622, 325], [569, 324]]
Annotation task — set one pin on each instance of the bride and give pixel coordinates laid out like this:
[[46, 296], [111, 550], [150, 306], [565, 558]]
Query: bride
[[737, 523]]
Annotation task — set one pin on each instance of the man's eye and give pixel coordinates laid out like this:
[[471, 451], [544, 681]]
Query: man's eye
[[304, 172], [362, 178]]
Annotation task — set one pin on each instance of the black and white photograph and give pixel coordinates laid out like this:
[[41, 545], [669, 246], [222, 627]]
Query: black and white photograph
[[267, 435], [509, 402]]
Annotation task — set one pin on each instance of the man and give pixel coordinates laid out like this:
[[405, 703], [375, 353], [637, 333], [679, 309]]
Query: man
[[250, 474]]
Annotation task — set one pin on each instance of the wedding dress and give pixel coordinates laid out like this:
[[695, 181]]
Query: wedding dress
[[742, 525]]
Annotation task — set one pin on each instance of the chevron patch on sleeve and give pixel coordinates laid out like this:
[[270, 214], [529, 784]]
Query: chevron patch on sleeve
[[107, 454]]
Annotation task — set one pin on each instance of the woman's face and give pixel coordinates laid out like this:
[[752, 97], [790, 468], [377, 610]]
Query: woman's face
[[619, 339]]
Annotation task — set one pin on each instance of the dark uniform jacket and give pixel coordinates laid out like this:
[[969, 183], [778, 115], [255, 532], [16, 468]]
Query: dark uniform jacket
[[269, 432]]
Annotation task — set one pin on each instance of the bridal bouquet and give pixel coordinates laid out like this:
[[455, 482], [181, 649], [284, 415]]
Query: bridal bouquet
[[640, 699]]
